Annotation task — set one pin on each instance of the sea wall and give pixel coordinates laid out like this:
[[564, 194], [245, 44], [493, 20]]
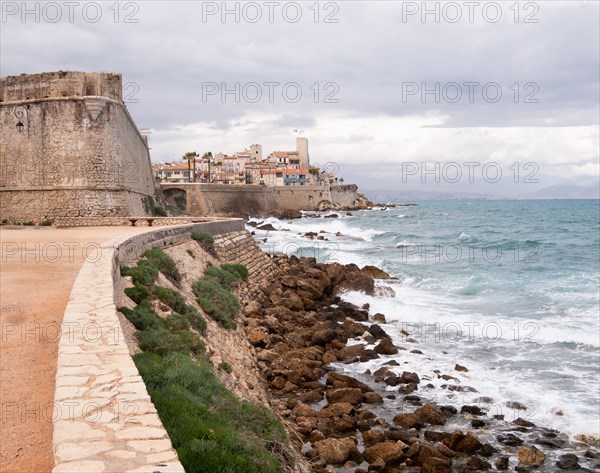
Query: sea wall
[[103, 417], [70, 148], [217, 199], [347, 196]]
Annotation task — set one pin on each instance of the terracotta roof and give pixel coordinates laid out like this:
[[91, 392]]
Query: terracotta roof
[[284, 154], [175, 167], [285, 171]]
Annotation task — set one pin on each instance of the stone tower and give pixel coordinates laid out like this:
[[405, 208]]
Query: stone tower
[[70, 148], [302, 148], [256, 152]]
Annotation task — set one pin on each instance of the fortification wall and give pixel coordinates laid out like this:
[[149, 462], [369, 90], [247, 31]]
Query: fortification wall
[[214, 199], [347, 196], [77, 152]]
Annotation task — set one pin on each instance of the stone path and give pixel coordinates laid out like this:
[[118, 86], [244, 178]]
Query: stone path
[[105, 420]]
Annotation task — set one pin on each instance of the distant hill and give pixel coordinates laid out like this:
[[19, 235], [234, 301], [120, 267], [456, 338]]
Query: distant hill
[[557, 191], [567, 191]]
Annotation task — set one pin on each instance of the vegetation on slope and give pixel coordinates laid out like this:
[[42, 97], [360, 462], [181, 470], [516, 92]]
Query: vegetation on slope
[[210, 428]]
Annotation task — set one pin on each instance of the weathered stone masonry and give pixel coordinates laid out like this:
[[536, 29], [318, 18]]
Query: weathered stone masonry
[[78, 152], [228, 200]]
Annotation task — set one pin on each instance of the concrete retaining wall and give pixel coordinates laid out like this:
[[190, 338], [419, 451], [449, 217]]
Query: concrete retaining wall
[[104, 420]]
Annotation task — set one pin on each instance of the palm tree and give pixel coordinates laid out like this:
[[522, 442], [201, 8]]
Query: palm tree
[[189, 157], [208, 156]]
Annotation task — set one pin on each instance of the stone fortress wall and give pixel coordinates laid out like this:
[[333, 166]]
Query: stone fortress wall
[[70, 148], [228, 200]]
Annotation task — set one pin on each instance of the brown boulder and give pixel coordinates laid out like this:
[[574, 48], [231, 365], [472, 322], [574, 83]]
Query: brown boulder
[[351, 353], [372, 436], [292, 301], [437, 465], [459, 442], [409, 377], [408, 421], [351, 395], [335, 451], [337, 409], [531, 456], [371, 397], [386, 347], [375, 272], [343, 424], [259, 337], [338, 380], [430, 414], [356, 281], [386, 451]]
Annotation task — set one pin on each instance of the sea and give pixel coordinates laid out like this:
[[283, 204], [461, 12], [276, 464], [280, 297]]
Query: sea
[[510, 290]]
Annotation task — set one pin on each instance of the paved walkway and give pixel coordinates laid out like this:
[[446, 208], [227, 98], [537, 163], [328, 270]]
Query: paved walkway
[[38, 269]]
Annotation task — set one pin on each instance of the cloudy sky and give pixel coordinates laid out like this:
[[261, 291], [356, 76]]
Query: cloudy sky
[[374, 86]]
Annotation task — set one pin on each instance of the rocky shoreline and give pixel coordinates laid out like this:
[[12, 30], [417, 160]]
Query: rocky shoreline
[[305, 336]]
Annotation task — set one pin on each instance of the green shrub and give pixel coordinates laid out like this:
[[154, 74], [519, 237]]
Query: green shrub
[[216, 301], [176, 322], [159, 211], [204, 237], [172, 298], [29, 224], [211, 429], [137, 293], [164, 263], [195, 319], [191, 253], [4, 221], [225, 278], [46, 223], [238, 269], [225, 367], [145, 273], [142, 317], [162, 341]]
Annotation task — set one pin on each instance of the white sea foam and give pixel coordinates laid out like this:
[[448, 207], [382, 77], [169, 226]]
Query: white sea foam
[[541, 353]]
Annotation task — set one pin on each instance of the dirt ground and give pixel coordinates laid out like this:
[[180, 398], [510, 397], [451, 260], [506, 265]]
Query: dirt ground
[[38, 269]]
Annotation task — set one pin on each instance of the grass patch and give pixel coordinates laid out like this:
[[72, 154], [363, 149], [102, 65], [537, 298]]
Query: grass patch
[[216, 301], [162, 341], [142, 317], [137, 293], [211, 429], [213, 293], [172, 298], [225, 278], [238, 269], [225, 367], [204, 237], [164, 263], [195, 319], [145, 273]]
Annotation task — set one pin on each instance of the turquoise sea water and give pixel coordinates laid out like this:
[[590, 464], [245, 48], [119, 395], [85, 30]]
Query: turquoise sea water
[[509, 289]]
